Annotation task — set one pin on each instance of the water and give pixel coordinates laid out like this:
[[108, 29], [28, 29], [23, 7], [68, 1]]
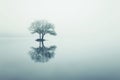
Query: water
[[78, 59]]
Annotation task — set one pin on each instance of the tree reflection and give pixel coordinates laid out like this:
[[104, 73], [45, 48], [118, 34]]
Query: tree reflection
[[42, 53]]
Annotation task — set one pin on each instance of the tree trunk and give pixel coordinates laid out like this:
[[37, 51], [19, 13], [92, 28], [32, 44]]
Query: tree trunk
[[40, 36]]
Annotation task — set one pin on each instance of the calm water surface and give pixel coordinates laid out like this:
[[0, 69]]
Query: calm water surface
[[79, 59]]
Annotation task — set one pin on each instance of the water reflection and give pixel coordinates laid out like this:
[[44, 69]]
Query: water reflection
[[42, 53]]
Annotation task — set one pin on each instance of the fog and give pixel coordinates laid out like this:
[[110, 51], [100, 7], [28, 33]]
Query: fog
[[89, 18], [86, 46]]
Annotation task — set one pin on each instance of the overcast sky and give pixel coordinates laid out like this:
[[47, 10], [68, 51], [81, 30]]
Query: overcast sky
[[71, 17]]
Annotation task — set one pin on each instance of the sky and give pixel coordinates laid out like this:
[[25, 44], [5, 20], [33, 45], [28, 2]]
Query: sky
[[70, 17]]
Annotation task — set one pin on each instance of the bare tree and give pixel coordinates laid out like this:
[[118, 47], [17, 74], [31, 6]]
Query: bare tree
[[42, 27]]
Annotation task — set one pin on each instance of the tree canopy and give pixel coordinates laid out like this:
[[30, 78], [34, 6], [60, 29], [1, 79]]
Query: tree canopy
[[42, 27]]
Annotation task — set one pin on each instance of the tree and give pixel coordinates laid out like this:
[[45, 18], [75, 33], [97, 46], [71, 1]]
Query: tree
[[42, 27]]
